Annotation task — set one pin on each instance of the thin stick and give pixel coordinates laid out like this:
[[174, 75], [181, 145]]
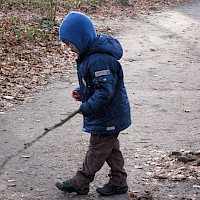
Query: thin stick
[[27, 145]]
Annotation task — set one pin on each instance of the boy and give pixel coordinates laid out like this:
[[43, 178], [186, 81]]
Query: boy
[[105, 105]]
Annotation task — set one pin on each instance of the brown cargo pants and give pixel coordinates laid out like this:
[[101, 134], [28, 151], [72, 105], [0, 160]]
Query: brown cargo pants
[[102, 148]]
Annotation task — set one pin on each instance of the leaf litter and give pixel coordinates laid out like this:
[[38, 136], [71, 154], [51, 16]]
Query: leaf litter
[[31, 54], [171, 167]]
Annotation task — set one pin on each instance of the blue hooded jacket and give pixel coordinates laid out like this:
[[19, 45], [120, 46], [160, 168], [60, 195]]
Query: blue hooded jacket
[[105, 104]]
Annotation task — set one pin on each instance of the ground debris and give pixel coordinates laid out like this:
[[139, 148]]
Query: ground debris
[[171, 167], [146, 195], [186, 156], [26, 156]]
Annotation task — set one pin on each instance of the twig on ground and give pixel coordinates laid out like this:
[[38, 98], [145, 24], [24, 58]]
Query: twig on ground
[[27, 145]]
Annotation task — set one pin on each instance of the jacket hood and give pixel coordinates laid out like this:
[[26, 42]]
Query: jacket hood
[[106, 44], [78, 29]]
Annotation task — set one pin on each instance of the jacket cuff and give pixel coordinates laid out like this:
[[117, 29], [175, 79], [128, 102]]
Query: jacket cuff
[[78, 90]]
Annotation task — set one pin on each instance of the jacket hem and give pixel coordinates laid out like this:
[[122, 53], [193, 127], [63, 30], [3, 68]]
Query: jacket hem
[[107, 132]]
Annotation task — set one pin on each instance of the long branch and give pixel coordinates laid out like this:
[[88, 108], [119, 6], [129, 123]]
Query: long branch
[[46, 130]]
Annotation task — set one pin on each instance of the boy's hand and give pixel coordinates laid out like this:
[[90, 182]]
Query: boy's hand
[[76, 95]]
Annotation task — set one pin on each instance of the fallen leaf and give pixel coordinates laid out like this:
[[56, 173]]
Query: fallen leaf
[[108, 28], [133, 195]]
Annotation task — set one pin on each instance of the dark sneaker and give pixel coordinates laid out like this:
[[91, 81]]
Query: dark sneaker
[[68, 186], [110, 189]]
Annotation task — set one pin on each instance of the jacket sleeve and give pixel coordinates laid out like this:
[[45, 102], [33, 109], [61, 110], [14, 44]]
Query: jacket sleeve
[[104, 81], [78, 90]]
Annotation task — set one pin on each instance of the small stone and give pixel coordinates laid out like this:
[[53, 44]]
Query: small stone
[[190, 157], [196, 186], [153, 8], [11, 185], [197, 153], [183, 159], [26, 156], [176, 153], [187, 111], [11, 181]]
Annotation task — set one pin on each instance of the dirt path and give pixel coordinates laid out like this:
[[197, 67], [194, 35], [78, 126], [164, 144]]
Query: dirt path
[[161, 66]]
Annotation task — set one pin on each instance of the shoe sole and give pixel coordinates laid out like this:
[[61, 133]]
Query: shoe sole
[[72, 190], [112, 193]]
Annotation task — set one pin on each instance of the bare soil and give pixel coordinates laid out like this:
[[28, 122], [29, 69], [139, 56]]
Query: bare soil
[[161, 68]]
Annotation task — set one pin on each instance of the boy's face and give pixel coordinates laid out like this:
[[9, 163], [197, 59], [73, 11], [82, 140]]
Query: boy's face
[[71, 46]]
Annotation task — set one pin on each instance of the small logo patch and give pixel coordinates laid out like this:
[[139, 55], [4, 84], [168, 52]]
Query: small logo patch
[[102, 73], [111, 128]]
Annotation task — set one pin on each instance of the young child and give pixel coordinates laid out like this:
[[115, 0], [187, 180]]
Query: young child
[[105, 106]]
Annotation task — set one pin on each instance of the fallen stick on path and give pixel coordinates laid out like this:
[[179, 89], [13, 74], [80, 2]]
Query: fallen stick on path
[[27, 145]]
